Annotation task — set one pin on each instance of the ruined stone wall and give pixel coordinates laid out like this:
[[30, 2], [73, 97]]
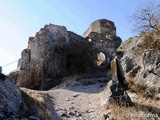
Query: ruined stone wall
[[55, 53]]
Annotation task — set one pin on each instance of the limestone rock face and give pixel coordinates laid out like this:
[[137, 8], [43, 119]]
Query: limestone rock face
[[150, 71], [139, 58], [44, 58], [55, 53], [10, 96]]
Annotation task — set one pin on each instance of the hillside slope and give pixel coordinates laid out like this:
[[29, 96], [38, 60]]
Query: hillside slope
[[140, 60]]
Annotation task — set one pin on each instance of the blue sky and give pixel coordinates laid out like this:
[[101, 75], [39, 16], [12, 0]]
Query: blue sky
[[20, 19]]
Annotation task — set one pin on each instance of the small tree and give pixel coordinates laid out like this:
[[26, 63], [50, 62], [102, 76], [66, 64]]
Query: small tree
[[146, 18]]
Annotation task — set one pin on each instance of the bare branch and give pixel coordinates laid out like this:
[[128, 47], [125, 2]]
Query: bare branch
[[147, 18]]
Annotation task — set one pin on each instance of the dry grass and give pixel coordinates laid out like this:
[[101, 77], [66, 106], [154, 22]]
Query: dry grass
[[141, 110], [37, 104], [150, 42], [141, 88], [146, 105]]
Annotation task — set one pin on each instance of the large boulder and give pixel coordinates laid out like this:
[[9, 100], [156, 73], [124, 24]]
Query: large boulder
[[114, 92]]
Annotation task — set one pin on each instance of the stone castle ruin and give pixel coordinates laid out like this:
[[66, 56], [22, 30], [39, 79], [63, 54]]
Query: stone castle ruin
[[55, 53]]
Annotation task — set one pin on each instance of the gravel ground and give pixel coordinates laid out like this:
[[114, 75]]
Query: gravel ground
[[78, 101]]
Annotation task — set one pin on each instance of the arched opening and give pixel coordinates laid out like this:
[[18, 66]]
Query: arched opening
[[101, 58]]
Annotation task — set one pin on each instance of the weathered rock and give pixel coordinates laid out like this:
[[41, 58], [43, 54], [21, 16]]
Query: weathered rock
[[150, 71], [102, 33], [34, 118], [115, 93], [101, 26], [0, 69], [106, 117], [44, 58], [12, 106], [2, 76], [10, 96], [23, 62], [117, 72], [55, 53], [8, 115], [139, 58], [14, 75]]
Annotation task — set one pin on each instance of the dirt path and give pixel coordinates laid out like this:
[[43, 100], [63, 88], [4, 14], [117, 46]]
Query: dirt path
[[79, 101]]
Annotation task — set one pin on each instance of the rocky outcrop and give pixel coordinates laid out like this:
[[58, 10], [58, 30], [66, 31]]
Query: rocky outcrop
[[44, 58], [140, 59], [12, 106], [10, 95], [114, 92], [150, 70], [55, 53]]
